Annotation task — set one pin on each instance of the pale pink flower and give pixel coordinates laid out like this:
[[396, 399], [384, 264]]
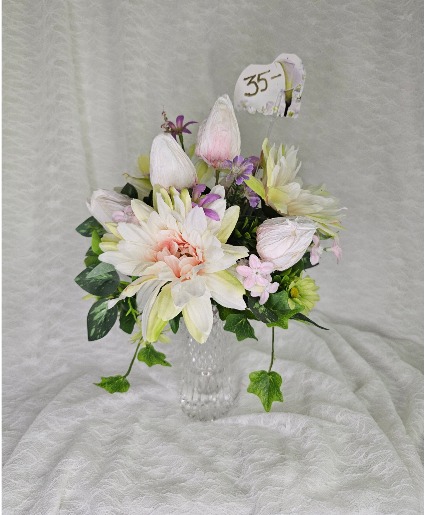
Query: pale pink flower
[[264, 291], [257, 272], [219, 139], [180, 264], [257, 278], [315, 251], [336, 249]]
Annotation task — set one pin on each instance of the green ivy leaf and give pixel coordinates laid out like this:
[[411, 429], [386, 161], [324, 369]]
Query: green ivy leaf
[[95, 241], [91, 258], [261, 312], [114, 384], [175, 323], [238, 323], [100, 319], [127, 320], [99, 279], [90, 225], [223, 312], [302, 318], [275, 312], [129, 190], [266, 385], [283, 320], [151, 357]]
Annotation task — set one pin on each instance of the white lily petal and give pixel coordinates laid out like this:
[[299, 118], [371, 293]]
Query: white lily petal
[[198, 317], [226, 289]]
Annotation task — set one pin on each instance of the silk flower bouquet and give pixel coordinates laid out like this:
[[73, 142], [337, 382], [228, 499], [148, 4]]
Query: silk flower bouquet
[[206, 229]]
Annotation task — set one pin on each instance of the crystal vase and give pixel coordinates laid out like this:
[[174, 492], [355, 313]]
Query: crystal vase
[[210, 382]]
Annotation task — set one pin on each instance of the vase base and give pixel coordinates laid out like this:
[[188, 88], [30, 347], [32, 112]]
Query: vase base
[[207, 409]]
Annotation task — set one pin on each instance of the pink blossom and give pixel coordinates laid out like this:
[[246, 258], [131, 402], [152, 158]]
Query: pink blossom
[[336, 249], [257, 278], [315, 251], [264, 291]]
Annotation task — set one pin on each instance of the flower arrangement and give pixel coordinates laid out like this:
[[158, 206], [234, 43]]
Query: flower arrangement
[[206, 227]]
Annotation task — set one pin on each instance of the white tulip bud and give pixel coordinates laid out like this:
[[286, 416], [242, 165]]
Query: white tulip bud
[[284, 240], [218, 136], [170, 165], [106, 206]]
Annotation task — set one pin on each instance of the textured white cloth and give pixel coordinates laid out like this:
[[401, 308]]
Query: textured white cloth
[[84, 86]]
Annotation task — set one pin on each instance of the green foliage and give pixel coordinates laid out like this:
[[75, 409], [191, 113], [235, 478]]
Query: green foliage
[[151, 357], [100, 319], [114, 384], [175, 323], [91, 258], [238, 323], [129, 190], [302, 318], [245, 232], [275, 312], [223, 312], [95, 242], [128, 314], [266, 385], [90, 225], [99, 279]]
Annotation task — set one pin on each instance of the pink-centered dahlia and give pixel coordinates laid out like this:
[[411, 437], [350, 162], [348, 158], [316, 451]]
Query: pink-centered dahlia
[[181, 259]]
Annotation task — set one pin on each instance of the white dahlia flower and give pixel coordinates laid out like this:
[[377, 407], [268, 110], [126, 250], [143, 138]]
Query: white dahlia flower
[[181, 261]]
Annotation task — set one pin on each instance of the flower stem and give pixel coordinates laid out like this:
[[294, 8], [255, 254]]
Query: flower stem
[[272, 356], [132, 361], [181, 140], [217, 176]]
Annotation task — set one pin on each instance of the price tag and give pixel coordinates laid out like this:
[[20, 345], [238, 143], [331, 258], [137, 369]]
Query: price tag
[[271, 89]]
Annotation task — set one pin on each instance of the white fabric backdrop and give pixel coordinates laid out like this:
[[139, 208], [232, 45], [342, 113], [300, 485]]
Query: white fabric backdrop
[[84, 86]]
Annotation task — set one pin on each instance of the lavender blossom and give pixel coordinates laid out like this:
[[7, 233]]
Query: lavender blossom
[[240, 168]]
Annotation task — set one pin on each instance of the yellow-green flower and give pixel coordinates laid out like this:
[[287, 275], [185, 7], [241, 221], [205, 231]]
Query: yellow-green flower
[[303, 292]]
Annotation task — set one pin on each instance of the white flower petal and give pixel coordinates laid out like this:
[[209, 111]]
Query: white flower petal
[[198, 317], [141, 210], [226, 289]]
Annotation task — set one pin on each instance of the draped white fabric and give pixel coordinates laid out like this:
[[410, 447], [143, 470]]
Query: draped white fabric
[[84, 86]]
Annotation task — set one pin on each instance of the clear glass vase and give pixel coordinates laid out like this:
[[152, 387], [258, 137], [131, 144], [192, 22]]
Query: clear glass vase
[[210, 381]]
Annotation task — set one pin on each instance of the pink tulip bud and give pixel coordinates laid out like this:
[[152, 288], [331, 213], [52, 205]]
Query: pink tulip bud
[[284, 240], [170, 165], [219, 139]]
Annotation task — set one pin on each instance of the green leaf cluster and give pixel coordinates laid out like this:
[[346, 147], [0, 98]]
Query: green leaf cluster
[[275, 312], [245, 232]]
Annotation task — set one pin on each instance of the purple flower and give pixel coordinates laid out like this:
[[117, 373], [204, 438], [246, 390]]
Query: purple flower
[[253, 199], [240, 168], [178, 128], [205, 201]]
